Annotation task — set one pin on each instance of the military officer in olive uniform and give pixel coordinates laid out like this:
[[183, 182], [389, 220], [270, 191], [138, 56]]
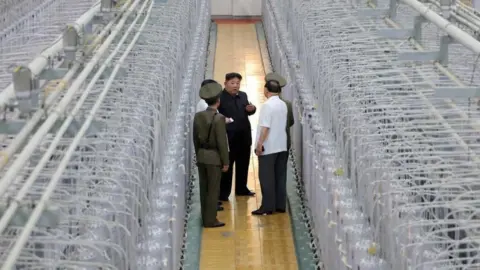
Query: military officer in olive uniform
[[211, 149], [290, 121]]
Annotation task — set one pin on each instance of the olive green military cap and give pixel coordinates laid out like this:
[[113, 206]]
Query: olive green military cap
[[276, 77], [210, 90]]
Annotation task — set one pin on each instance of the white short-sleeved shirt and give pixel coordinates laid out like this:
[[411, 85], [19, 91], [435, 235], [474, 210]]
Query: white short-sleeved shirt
[[273, 115], [202, 105]]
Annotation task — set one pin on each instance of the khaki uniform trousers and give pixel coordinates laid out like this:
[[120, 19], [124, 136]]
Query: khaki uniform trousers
[[210, 176]]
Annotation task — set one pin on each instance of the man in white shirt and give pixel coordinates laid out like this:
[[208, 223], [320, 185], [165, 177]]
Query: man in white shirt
[[202, 105], [273, 76], [271, 149]]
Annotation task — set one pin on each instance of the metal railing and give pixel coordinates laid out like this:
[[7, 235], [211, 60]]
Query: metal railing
[[386, 144], [99, 179]]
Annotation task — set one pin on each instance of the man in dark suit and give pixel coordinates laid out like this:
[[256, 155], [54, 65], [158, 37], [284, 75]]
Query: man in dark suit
[[211, 149], [234, 104]]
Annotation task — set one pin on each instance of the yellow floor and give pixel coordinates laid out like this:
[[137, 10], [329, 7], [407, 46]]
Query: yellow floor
[[246, 242]]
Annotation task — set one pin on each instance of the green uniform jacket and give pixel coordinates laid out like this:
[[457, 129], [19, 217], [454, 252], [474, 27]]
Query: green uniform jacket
[[217, 152], [290, 120]]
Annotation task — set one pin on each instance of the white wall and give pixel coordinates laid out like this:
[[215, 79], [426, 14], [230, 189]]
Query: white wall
[[221, 7], [476, 4], [237, 7]]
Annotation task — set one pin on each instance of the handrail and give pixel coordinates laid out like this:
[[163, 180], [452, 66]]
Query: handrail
[[41, 61], [52, 97], [453, 31], [56, 112], [33, 219]]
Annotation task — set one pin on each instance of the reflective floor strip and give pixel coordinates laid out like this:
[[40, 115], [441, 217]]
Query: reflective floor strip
[[306, 255], [191, 257]]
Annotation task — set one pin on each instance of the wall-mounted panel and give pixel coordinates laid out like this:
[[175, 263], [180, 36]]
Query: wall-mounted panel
[[247, 8], [222, 7], [236, 7]]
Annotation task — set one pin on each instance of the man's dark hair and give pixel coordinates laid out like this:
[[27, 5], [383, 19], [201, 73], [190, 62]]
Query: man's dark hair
[[232, 75], [207, 81], [212, 101], [273, 86]]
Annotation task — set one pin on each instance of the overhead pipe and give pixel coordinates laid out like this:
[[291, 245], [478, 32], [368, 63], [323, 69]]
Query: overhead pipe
[[453, 31], [27, 129], [444, 70], [35, 216], [41, 61], [472, 18], [59, 110], [462, 15], [432, 108], [12, 208], [473, 12], [468, 23]]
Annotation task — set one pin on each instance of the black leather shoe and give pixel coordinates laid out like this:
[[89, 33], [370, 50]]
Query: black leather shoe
[[280, 210], [219, 203], [216, 225], [219, 208], [260, 212], [247, 193]]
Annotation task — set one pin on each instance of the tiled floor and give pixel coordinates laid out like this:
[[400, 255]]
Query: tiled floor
[[246, 242]]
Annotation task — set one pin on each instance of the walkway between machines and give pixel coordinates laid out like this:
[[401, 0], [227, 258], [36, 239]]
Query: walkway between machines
[[246, 242]]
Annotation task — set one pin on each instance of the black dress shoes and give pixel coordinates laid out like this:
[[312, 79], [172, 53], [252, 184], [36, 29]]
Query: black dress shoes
[[216, 225], [260, 212], [219, 208], [280, 210], [247, 193]]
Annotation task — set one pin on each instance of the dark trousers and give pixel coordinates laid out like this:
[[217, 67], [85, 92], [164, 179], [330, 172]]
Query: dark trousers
[[272, 171], [240, 149], [210, 176]]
